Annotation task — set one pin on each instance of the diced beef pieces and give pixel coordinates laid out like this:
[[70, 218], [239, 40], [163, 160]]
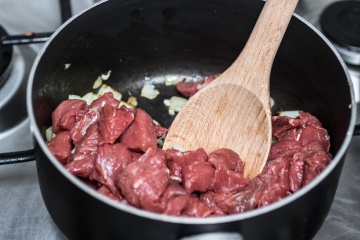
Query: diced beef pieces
[[198, 176], [113, 121], [60, 146], [296, 174], [285, 148], [280, 168], [227, 180], [159, 130], [140, 135], [261, 191], [143, 182], [110, 162], [64, 116], [227, 158], [176, 160], [81, 126], [212, 200], [311, 134], [175, 199], [196, 208], [316, 159], [81, 162], [105, 99], [313, 131], [104, 190], [282, 124], [188, 89], [229, 171], [273, 192]]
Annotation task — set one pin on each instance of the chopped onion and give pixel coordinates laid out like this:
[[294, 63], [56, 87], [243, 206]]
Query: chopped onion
[[72, 96], [171, 79], [105, 88], [292, 114], [106, 76], [272, 102], [148, 91], [98, 82], [175, 104], [89, 97], [177, 147], [49, 134], [132, 101], [67, 65]]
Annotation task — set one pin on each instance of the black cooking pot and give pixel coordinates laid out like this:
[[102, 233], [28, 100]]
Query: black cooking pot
[[139, 38]]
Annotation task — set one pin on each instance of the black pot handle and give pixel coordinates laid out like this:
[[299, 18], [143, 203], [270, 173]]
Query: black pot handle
[[17, 157], [357, 130]]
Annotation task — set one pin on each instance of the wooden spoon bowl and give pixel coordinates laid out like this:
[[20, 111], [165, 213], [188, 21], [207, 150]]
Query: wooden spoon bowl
[[234, 110]]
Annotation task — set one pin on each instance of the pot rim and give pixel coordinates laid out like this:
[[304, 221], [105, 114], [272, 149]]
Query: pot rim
[[187, 220]]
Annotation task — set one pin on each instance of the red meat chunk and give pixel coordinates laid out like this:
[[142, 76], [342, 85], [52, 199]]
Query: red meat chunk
[[81, 126], [105, 99], [81, 163], [280, 168], [188, 89], [285, 148], [262, 190], [175, 199], [229, 171], [196, 208], [176, 160], [159, 130], [226, 158], [60, 146], [296, 174], [110, 162], [104, 190], [113, 121], [140, 135], [315, 159], [64, 116], [198, 176], [143, 182]]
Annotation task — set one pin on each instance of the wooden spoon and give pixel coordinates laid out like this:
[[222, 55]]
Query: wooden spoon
[[234, 111]]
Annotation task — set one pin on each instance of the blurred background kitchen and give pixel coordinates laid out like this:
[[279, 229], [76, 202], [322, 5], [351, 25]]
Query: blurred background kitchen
[[22, 212]]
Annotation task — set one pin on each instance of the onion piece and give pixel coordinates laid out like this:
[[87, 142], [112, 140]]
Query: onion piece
[[105, 88], [106, 76], [172, 79], [98, 82], [292, 113], [175, 104], [148, 91]]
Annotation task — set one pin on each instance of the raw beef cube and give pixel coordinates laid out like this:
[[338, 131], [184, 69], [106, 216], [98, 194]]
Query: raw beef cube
[[81, 163], [196, 208], [226, 158], [176, 160], [143, 182], [175, 199], [81, 126], [60, 146], [113, 122], [198, 176], [140, 135], [64, 116], [110, 162], [105, 99]]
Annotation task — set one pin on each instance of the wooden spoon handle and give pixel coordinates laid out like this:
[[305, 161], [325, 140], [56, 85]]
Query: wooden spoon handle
[[261, 48]]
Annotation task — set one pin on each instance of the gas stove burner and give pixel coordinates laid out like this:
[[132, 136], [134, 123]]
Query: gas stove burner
[[340, 23], [5, 59], [13, 92]]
